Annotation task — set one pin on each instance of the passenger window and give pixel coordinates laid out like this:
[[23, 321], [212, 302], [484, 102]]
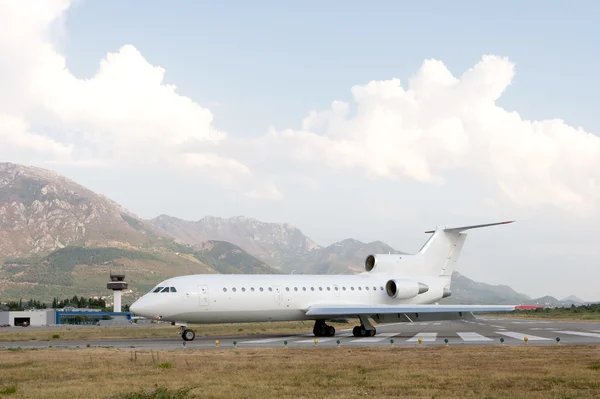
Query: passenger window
[[243, 289], [287, 288], [295, 288], [270, 289], [312, 288], [381, 288], [158, 289], [320, 288], [303, 288], [224, 289], [233, 289], [344, 288], [367, 288], [173, 289], [329, 289], [374, 288], [359, 288], [261, 290], [252, 289], [352, 288]]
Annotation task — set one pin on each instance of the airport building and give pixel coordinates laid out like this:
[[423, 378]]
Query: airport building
[[48, 317]]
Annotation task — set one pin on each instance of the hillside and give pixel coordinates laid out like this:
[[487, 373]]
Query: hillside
[[271, 242], [467, 291], [227, 258], [58, 238], [344, 257], [41, 211]]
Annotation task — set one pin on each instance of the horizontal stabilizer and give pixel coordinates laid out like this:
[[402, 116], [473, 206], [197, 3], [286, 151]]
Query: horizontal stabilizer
[[360, 310], [476, 226]]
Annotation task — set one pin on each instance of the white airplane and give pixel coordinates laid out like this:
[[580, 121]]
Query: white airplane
[[393, 288]]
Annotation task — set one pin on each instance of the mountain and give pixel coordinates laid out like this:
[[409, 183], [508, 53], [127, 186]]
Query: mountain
[[344, 257], [58, 238], [469, 292], [227, 258], [573, 299], [270, 242], [41, 211]]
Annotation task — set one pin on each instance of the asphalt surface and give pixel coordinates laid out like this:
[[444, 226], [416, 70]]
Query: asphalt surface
[[479, 332]]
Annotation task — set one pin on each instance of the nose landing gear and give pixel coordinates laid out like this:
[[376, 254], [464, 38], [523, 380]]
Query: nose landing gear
[[187, 334]]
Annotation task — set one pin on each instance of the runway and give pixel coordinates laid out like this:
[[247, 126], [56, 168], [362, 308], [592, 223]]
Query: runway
[[478, 332]]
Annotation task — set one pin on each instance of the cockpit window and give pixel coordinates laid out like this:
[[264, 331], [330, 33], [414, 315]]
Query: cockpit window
[[158, 289], [173, 289], [165, 290]]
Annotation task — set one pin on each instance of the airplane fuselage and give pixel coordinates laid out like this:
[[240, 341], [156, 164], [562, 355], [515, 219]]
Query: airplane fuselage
[[234, 298]]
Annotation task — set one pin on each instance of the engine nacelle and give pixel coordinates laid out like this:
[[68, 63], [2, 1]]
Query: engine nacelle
[[404, 289], [377, 262]]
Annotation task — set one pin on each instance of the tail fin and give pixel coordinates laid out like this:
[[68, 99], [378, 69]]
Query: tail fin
[[440, 253]]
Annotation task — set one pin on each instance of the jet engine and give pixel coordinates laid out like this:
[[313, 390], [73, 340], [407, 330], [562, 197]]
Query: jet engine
[[404, 289], [376, 262]]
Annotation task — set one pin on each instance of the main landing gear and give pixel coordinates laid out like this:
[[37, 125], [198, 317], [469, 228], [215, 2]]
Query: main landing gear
[[187, 334], [365, 329], [323, 330]]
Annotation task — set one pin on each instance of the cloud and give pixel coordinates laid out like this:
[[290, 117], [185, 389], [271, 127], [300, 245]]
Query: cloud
[[125, 114], [443, 124], [266, 191], [436, 127]]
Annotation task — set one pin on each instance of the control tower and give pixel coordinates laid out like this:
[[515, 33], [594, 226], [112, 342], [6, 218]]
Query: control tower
[[117, 285]]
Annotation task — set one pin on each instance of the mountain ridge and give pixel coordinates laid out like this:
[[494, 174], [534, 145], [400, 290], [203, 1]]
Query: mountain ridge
[[45, 216]]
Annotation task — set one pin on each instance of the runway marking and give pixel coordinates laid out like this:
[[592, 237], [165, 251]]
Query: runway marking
[[520, 336], [491, 325], [305, 341], [426, 337], [266, 340], [581, 333], [379, 337], [436, 324], [472, 336]]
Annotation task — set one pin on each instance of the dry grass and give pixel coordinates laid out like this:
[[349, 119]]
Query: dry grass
[[452, 372], [159, 331]]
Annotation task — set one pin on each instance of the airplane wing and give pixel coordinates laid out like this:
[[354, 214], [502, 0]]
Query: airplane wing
[[367, 310]]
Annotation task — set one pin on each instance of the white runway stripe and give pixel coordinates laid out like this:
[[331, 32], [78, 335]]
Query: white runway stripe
[[426, 337], [472, 336], [520, 336], [312, 341], [377, 338], [266, 340], [581, 333]]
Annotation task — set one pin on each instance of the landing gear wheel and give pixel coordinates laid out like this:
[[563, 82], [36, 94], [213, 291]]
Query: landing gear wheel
[[361, 331], [188, 335], [330, 331]]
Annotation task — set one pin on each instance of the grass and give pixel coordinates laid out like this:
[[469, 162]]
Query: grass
[[160, 331], [448, 372]]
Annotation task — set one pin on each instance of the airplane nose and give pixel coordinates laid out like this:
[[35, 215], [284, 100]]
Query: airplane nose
[[136, 307]]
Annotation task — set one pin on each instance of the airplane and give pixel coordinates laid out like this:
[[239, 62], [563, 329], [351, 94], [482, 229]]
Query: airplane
[[393, 288]]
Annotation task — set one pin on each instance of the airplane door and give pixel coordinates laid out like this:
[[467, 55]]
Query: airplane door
[[203, 296], [277, 295]]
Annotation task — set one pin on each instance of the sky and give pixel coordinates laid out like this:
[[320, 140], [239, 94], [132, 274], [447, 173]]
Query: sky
[[376, 121]]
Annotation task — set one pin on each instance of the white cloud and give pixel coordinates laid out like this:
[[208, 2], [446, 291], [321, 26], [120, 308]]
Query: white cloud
[[266, 191], [442, 124], [125, 114], [437, 125]]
